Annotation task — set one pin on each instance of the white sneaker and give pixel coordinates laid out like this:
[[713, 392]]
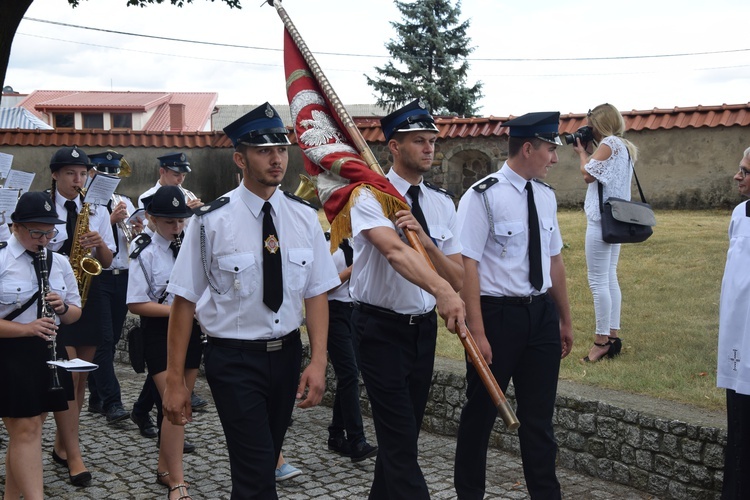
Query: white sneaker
[[287, 471]]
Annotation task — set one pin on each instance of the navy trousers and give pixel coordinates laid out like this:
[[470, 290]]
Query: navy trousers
[[342, 352], [737, 453], [525, 341], [396, 360], [103, 384]]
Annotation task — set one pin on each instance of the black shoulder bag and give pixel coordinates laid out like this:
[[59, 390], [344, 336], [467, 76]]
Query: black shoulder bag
[[626, 221]]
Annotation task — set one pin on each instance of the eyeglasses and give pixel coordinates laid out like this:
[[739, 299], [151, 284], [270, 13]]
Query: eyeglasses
[[743, 172], [37, 234]]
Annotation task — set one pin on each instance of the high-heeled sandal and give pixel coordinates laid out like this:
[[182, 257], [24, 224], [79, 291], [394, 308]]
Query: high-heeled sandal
[[605, 355], [182, 489], [615, 346], [161, 478]]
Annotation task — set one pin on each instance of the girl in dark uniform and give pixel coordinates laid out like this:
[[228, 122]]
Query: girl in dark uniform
[[150, 266], [29, 389]]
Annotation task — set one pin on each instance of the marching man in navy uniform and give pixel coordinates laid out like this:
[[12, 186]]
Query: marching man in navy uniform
[[395, 293], [261, 255], [516, 305]]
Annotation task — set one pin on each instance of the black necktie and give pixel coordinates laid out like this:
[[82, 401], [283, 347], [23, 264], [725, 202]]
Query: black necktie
[[273, 293], [70, 226], [348, 251], [114, 230], [416, 209], [38, 270], [535, 244]]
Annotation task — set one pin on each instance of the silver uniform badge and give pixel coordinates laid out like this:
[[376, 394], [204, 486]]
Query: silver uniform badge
[[422, 103], [269, 112], [182, 157], [47, 206], [109, 156], [175, 202], [74, 153]]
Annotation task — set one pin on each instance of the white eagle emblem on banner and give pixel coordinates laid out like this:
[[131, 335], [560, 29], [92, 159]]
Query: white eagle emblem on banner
[[320, 130]]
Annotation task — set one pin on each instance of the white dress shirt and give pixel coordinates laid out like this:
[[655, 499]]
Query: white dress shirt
[[19, 281], [149, 272], [502, 250], [234, 261], [374, 281], [98, 221]]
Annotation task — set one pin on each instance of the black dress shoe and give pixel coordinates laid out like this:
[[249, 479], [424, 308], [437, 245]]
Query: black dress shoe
[[116, 413], [362, 451], [145, 424], [340, 445], [96, 408], [82, 479], [197, 402], [57, 458]]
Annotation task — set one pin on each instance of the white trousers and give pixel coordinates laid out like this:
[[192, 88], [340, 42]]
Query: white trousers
[[601, 261]]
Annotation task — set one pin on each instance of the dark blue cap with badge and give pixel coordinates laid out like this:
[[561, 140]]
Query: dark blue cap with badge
[[35, 206], [260, 127], [67, 156], [167, 201], [177, 162], [542, 125], [108, 162], [410, 118]]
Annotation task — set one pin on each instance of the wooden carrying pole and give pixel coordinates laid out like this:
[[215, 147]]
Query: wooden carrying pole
[[498, 398]]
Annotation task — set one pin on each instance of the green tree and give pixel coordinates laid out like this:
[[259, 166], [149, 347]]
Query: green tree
[[14, 10], [431, 47]]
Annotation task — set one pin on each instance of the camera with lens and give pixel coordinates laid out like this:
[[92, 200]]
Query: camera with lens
[[584, 134]]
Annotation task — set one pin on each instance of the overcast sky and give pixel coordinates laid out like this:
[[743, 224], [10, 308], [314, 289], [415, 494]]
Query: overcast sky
[[52, 57]]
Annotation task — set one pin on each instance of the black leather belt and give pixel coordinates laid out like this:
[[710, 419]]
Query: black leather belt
[[115, 272], [340, 303], [255, 345], [516, 301], [409, 319]]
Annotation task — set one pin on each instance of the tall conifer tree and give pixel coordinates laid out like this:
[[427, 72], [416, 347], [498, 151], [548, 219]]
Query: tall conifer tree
[[431, 48]]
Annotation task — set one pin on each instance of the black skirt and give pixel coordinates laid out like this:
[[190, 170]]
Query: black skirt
[[26, 379], [155, 344], [88, 329]]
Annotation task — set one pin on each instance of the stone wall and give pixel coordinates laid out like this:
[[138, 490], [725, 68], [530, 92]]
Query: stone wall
[[668, 450]]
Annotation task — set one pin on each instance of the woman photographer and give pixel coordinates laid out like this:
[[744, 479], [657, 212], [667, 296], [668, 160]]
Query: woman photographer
[[610, 166]]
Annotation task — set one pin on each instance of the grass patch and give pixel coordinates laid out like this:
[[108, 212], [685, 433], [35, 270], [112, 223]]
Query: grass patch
[[670, 318]]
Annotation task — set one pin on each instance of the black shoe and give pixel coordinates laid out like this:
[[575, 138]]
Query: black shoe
[[82, 479], [197, 402], [116, 413], [57, 458], [186, 447], [340, 445], [362, 451], [96, 408], [145, 424]]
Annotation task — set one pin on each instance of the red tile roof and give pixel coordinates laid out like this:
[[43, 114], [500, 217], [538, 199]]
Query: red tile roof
[[199, 106], [450, 127]]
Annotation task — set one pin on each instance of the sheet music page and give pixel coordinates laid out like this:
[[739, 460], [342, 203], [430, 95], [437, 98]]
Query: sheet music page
[[74, 365], [5, 161], [19, 180], [100, 189], [8, 200]]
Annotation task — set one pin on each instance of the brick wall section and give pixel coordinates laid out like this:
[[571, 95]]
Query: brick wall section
[[664, 456]]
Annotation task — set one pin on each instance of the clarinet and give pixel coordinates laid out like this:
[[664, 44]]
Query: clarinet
[[48, 312]]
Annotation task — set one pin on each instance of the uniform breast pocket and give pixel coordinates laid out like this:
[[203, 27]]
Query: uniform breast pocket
[[440, 234], [16, 292], [300, 264], [239, 272], [511, 235], [547, 230], [57, 285]]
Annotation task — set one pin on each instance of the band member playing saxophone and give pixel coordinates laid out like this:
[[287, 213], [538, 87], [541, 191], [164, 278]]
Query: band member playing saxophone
[[151, 263], [25, 335], [86, 235]]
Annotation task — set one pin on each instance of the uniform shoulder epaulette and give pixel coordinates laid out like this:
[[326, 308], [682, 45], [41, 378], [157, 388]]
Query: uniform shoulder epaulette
[[544, 184], [210, 207], [301, 200], [138, 244], [3, 244], [439, 189], [485, 184]]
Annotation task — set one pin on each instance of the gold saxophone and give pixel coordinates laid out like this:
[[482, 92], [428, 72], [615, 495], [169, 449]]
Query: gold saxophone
[[83, 264]]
